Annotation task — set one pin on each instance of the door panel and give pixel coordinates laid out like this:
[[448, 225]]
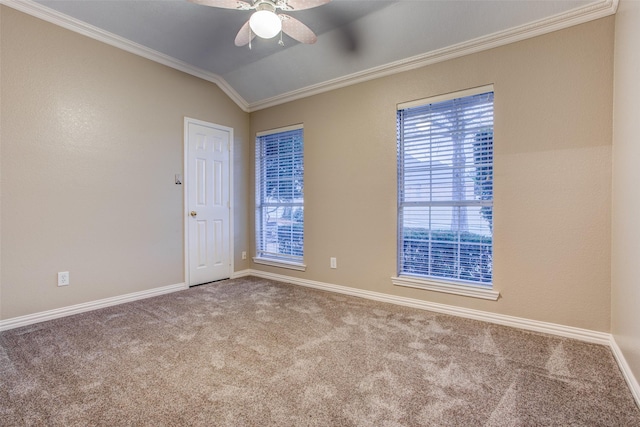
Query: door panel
[[208, 190], [201, 249], [218, 243]]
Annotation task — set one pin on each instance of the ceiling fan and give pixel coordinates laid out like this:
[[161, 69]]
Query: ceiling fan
[[265, 23]]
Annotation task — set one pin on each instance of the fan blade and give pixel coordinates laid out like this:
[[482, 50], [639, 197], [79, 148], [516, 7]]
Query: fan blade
[[297, 30], [245, 35], [225, 4], [301, 4]]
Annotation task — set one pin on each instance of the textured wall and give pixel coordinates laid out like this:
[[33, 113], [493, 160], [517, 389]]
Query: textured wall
[[553, 104], [91, 139], [625, 282]]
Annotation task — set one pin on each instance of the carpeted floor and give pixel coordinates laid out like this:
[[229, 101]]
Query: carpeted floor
[[252, 352]]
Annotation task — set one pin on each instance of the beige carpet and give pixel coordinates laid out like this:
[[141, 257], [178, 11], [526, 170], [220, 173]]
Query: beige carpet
[[252, 352]]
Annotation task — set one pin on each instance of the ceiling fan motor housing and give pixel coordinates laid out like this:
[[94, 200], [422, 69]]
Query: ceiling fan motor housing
[[265, 5]]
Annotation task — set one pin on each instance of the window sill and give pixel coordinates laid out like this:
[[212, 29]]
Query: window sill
[[449, 288], [279, 263]]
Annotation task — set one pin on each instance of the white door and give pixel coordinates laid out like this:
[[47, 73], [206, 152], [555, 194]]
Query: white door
[[208, 151]]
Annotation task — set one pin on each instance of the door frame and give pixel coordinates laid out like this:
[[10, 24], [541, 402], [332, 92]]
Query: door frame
[[185, 183]]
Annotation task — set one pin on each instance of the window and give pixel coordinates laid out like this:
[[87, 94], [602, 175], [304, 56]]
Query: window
[[445, 193], [280, 198]]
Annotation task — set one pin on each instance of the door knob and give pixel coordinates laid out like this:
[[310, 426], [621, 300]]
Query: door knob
[[194, 213]]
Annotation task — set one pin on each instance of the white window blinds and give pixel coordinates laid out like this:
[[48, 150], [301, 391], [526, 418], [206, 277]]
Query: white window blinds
[[280, 195], [445, 188]]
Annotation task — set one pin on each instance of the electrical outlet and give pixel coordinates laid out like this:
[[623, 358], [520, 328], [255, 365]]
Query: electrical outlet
[[63, 278], [244, 254], [333, 262]]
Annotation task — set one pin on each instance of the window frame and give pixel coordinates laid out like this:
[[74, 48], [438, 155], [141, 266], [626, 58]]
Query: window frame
[[274, 259], [435, 283]]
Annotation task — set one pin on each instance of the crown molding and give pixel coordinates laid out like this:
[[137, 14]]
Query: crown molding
[[557, 22], [561, 21], [46, 14]]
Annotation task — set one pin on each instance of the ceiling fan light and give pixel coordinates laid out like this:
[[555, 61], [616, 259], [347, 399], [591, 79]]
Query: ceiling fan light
[[265, 24]]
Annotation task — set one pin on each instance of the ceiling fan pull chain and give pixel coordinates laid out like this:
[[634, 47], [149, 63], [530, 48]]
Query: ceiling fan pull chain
[[281, 43]]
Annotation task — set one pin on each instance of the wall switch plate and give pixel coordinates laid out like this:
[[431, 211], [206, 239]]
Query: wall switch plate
[[244, 254], [333, 262], [63, 278]]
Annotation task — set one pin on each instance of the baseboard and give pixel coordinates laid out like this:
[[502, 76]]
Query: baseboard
[[501, 319], [242, 273], [29, 319], [631, 380], [516, 322]]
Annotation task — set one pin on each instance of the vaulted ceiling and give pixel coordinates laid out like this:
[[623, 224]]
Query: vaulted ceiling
[[357, 39]]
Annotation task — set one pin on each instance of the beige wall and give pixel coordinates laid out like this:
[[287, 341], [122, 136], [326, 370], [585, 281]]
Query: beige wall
[[625, 282], [553, 106], [91, 139], [92, 136]]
